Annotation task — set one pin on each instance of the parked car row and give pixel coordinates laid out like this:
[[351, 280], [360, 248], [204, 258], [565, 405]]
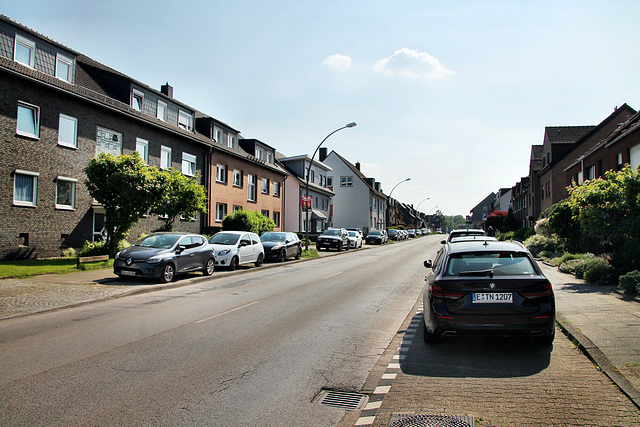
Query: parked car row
[[164, 255]]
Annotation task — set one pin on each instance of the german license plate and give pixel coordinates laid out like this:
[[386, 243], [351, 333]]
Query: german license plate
[[493, 297], [127, 273]]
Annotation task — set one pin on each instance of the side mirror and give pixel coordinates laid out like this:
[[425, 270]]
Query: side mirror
[[428, 264], [180, 249], [442, 242], [243, 243]]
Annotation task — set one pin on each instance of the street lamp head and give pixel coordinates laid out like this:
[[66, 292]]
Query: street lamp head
[[352, 124]]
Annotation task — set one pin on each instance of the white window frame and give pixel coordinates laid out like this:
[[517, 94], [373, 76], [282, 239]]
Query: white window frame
[[185, 120], [68, 62], [276, 189], [346, 181], [237, 178], [329, 181], [221, 173], [251, 188], [265, 186], [221, 211], [161, 111], [72, 205], [189, 164], [30, 203], [269, 157], [165, 157], [259, 153], [231, 141], [27, 44], [36, 117], [137, 95], [142, 147], [218, 134], [276, 218], [64, 121]]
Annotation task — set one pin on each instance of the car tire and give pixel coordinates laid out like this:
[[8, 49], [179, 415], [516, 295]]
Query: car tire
[[233, 264], [299, 252], [429, 337], [282, 256], [340, 247], [209, 267], [348, 246], [260, 260], [168, 273]]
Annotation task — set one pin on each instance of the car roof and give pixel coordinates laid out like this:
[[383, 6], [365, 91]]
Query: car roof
[[467, 231], [235, 232], [457, 239], [485, 246]]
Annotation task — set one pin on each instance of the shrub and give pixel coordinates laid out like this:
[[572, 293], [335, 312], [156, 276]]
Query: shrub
[[69, 253], [598, 271], [630, 282], [566, 257], [523, 234], [100, 248], [505, 237], [571, 265], [538, 243]]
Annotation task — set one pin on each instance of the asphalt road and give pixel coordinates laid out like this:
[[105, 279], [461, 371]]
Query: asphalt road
[[249, 349]]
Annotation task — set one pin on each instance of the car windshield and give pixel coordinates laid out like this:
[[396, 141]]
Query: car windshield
[[225, 239], [490, 264], [273, 237], [353, 234], [159, 241], [332, 233], [375, 233]]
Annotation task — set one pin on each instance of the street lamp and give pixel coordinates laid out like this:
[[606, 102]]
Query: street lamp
[[389, 200], [308, 224], [428, 198], [435, 207]]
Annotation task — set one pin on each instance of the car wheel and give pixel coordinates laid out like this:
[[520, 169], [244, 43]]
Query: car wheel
[[348, 246], [429, 337], [361, 244], [167, 273], [299, 253], [340, 247], [209, 267], [283, 255], [233, 264], [259, 260]]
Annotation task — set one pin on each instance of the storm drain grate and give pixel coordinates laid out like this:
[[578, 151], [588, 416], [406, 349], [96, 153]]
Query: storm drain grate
[[342, 399], [424, 420]]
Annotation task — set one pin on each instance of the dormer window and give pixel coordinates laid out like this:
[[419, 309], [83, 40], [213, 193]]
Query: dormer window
[[269, 157], [24, 51], [185, 120], [64, 68], [259, 153], [231, 141], [137, 100]]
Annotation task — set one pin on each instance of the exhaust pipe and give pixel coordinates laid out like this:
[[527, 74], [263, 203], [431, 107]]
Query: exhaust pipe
[[449, 334]]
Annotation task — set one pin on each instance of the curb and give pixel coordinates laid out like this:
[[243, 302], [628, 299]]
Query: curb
[[589, 349]]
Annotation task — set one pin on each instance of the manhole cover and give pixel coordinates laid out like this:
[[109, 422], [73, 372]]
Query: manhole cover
[[341, 399], [424, 420]]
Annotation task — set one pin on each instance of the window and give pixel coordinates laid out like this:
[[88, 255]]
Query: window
[[185, 120], [188, 164], [221, 174], [68, 131], [259, 153], [237, 178], [269, 157], [137, 100], [276, 189], [221, 211], [24, 51], [251, 187], [165, 157], [28, 120], [265, 186], [64, 68], [65, 193], [25, 188], [312, 178], [161, 113], [218, 137], [108, 141], [329, 181], [265, 213], [231, 141], [591, 172], [276, 218], [346, 181], [142, 147]]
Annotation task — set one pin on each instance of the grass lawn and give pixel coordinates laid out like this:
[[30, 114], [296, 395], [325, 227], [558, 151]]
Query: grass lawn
[[22, 269]]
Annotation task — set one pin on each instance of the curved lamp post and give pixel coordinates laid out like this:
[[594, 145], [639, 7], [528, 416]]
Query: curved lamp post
[[308, 224], [417, 212], [435, 207], [389, 200]]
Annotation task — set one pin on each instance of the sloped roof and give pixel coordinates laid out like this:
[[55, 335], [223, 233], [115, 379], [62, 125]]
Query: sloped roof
[[566, 134], [359, 174]]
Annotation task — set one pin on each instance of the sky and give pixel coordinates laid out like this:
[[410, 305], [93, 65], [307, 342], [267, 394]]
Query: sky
[[449, 93]]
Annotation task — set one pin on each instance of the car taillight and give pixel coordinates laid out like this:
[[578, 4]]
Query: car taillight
[[546, 291], [437, 291]]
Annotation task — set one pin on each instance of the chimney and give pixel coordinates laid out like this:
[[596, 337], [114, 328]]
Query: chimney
[[323, 153], [167, 90], [358, 165]]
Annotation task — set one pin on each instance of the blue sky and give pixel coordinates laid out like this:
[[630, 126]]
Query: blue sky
[[451, 93]]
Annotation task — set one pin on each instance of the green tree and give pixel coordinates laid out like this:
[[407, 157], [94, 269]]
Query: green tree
[[496, 220], [510, 223], [242, 220], [126, 187], [181, 196]]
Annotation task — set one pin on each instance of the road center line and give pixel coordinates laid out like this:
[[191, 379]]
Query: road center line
[[333, 275], [226, 312]]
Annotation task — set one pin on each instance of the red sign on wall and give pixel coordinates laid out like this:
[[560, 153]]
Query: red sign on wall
[[306, 202]]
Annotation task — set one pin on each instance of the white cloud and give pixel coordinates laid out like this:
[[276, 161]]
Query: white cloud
[[338, 62], [412, 64]]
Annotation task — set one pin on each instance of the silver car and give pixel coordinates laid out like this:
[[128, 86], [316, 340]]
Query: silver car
[[234, 248]]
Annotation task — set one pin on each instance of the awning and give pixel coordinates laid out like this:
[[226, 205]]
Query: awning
[[316, 214]]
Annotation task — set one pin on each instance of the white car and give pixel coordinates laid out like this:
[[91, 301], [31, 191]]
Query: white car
[[355, 239], [234, 248]]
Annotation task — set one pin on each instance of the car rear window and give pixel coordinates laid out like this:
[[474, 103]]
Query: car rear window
[[490, 264]]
